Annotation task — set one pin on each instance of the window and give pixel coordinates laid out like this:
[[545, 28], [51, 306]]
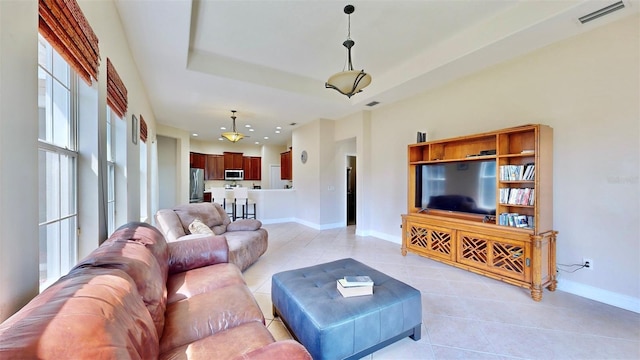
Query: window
[[57, 164], [487, 190], [111, 172]]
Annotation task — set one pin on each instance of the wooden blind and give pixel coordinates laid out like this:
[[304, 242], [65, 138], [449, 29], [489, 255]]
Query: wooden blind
[[116, 91], [143, 129], [64, 26]]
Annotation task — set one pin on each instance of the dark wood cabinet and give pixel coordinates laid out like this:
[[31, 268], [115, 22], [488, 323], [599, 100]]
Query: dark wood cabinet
[[207, 196], [285, 166], [252, 168], [233, 161], [197, 160], [215, 167]]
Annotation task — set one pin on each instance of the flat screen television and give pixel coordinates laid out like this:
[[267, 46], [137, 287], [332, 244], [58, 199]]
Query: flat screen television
[[461, 186]]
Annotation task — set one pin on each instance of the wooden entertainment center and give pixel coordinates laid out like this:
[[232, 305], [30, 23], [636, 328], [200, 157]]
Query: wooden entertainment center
[[515, 243]]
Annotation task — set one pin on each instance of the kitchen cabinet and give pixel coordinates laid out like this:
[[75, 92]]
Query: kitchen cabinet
[[233, 161], [197, 160], [252, 168], [285, 166], [215, 167]]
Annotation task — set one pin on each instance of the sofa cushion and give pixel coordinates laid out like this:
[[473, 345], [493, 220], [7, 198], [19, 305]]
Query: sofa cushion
[[245, 338], [170, 224], [192, 253], [91, 313], [140, 264], [206, 314], [197, 281], [198, 227], [244, 225], [203, 211], [245, 247]]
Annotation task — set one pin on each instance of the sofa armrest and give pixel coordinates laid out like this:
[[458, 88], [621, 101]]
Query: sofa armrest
[[244, 225], [283, 349], [197, 252]]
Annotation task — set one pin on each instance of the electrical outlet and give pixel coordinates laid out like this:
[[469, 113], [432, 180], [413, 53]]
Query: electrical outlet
[[588, 263]]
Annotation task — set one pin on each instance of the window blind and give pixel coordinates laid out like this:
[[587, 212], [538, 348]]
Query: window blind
[[116, 91], [143, 129], [64, 26]]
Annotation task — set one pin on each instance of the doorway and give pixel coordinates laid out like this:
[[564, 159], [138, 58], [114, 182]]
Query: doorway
[[351, 190]]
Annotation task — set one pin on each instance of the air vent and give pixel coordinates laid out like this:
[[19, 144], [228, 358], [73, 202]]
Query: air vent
[[602, 12], [373, 103]]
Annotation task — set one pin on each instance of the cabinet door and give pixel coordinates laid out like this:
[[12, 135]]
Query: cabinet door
[[215, 167], [507, 257], [285, 166], [233, 161], [431, 240], [197, 160], [252, 168]]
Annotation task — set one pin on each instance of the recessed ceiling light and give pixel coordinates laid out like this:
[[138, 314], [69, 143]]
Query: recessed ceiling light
[[257, 142], [279, 127], [194, 134], [221, 139], [266, 138], [223, 128], [277, 131], [247, 126], [251, 129]]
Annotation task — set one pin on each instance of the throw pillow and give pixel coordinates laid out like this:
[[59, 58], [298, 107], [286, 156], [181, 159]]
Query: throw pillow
[[198, 227]]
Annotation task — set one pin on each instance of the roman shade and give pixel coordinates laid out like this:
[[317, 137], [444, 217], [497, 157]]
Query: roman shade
[[143, 129], [116, 91], [63, 25]]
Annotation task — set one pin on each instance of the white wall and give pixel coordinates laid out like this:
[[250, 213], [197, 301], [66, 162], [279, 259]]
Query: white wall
[[167, 171], [18, 154], [587, 89], [19, 251]]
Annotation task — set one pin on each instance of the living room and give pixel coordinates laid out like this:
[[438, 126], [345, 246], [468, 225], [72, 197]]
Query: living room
[[585, 87]]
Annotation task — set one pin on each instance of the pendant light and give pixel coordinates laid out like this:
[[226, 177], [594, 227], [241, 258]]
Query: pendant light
[[233, 136], [351, 81]]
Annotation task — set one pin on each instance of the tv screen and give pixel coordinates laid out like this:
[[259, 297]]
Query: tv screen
[[463, 186]]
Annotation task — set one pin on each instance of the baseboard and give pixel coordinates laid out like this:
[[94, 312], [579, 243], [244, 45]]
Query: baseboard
[[277, 221], [604, 296], [384, 236]]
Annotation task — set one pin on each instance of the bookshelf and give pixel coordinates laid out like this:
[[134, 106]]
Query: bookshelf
[[517, 244]]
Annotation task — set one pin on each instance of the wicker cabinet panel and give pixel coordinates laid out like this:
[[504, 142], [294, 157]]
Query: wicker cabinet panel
[[509, 258], [434, 241]]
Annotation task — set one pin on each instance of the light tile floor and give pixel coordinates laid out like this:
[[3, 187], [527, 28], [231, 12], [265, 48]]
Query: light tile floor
[[465, 316]]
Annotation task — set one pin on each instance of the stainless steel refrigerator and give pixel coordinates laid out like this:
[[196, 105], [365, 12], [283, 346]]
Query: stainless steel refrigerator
[[196, 185]]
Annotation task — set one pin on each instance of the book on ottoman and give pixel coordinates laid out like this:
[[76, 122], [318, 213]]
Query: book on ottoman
[[360, 280], [349, 291]]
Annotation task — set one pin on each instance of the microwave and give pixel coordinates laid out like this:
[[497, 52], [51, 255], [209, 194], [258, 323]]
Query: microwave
[[234, 174]]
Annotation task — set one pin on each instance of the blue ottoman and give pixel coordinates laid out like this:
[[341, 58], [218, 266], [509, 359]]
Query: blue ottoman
[[334, 327]]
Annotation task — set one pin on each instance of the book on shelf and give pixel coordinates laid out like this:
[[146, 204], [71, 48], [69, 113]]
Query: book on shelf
[[516, 220], [524, 172], [517, 196], [351, 291], [358, 280]]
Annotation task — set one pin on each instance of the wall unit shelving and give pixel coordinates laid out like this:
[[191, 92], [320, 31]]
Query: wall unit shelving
[[516, 244]]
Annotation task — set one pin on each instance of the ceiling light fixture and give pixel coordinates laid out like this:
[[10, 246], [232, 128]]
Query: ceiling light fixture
[[233, 136], [351, 81]]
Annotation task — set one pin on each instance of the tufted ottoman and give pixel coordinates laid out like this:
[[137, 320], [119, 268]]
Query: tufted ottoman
[[334, 327]]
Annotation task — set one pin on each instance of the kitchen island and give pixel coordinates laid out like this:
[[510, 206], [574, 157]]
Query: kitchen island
[[272, 205]]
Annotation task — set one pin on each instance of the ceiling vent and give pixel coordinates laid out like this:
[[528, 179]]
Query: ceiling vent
[[373, 103], [602, 12]]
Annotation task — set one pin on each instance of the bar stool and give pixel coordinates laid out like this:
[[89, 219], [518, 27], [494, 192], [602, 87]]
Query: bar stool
[[241, 197], [219, 196]]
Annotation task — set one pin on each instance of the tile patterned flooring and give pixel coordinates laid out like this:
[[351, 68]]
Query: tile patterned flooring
[[465, 316]]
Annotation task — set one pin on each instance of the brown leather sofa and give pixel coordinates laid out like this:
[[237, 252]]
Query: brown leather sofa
[[246, 238], [139, 297]]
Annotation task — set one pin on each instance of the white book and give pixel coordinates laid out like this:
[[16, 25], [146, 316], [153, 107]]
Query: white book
[[351, 291], [359, 280]]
